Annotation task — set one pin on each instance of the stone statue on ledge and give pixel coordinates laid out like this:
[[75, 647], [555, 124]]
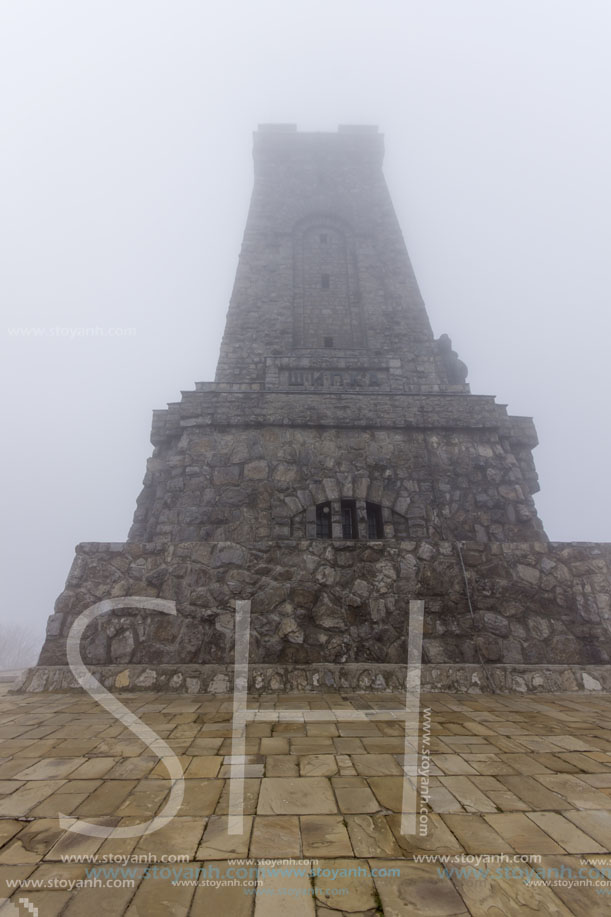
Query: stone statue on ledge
[[456, 370]]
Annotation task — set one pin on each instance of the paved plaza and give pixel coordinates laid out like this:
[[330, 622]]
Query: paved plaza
[[522, 780]]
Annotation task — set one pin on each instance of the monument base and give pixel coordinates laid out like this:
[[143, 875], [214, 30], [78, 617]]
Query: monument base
[[321, 678]]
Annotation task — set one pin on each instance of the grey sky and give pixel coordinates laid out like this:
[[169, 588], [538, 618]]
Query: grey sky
[[125, 176]]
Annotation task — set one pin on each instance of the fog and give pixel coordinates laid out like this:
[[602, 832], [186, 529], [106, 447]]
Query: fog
[[125, 176]]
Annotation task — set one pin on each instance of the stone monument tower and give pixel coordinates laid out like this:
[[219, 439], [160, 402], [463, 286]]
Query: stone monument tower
[[337, 466], [333, 405]]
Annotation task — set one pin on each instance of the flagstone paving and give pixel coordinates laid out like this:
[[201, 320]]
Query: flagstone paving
[[522, 780]]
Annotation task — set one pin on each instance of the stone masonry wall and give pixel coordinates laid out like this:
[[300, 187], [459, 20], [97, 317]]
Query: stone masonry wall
[[321, 603], [221, 484]]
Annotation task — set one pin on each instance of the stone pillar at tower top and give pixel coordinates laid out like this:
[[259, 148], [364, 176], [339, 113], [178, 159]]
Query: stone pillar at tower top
[[324, 281]]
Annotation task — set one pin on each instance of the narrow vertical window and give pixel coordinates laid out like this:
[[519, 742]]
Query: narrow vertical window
[[323, 238], [349, 523], [375, 524], [328, 342], [325, 281], [323, 520]]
